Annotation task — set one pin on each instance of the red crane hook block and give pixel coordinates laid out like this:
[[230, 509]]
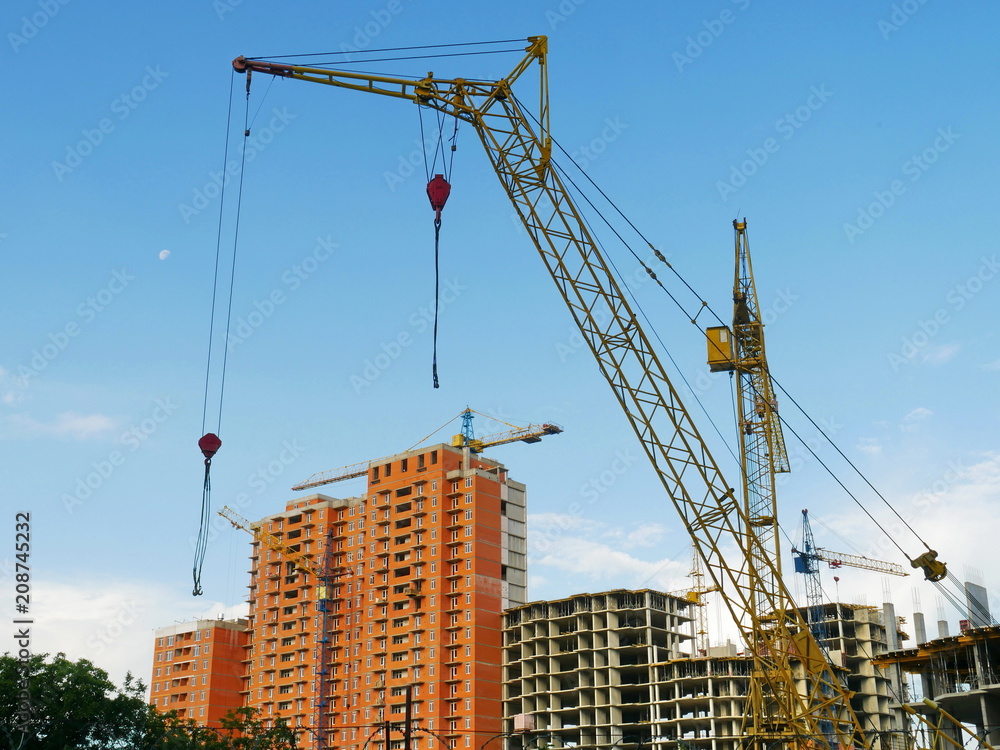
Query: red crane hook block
[[438, 190], [209, 444]]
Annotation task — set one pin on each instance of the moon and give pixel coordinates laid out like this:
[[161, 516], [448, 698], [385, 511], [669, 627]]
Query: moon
[[164, 254]]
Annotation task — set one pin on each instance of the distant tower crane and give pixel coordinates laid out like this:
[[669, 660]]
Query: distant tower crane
[[324, 573], [533, 433], [694, 596], [807, 562]]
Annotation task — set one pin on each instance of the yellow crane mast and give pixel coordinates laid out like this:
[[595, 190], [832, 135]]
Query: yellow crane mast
[[519, 148], [762, 444]]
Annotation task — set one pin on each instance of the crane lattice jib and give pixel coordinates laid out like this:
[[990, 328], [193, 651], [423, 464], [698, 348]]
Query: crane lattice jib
[[271, 542], [774, 630], [762, 445], [836, 559]]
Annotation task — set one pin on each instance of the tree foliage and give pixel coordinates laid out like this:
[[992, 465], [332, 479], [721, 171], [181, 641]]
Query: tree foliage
[[57, 704]]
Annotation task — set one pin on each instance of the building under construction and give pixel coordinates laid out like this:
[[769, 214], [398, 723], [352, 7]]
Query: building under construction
[[600, 670], [414, 576], [958, 676]]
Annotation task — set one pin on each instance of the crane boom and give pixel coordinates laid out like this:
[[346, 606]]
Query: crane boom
[[270, 541], [771, 625]]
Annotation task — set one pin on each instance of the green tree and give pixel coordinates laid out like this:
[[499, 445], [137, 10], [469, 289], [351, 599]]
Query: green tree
[[57, 704], [241, 729]]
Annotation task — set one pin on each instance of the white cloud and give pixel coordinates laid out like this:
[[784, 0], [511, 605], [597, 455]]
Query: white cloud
[[939, 355], [911, 421], [871, 446], [66, 425], [110, 622], [11, 388], [991, 365], [607, 567]]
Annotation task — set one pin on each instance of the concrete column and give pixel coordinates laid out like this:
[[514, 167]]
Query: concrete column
[[919, 628]]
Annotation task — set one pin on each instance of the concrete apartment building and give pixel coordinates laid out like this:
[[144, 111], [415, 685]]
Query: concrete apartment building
[[427, 560], [599, 669], [584, 668], [198, 669]]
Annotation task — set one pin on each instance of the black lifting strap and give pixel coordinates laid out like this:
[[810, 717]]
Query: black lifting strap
[[437, 296]]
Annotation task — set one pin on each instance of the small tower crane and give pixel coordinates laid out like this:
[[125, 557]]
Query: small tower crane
[[533, 433], [807, 562], [324, 573]]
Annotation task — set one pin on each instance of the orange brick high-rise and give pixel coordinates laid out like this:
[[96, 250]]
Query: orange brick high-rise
[[198, 669], [427, 559]]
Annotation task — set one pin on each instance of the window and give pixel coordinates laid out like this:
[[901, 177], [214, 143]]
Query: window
[[468, 482], [468, 514]]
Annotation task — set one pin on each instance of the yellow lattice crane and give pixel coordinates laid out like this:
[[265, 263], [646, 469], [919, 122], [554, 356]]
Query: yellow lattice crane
[[695, 597], [519, 147], [290, 552]]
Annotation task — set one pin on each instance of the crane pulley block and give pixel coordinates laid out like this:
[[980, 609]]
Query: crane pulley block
[[438, 191]]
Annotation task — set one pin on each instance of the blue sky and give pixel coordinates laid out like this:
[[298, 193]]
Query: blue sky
[[858, 138]]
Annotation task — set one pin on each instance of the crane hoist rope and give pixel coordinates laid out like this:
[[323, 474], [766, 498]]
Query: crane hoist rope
[[438, 190], [210, 443]]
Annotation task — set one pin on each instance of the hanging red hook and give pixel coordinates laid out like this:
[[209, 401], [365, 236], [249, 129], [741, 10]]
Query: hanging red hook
[[438, 190], [209, 444]]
